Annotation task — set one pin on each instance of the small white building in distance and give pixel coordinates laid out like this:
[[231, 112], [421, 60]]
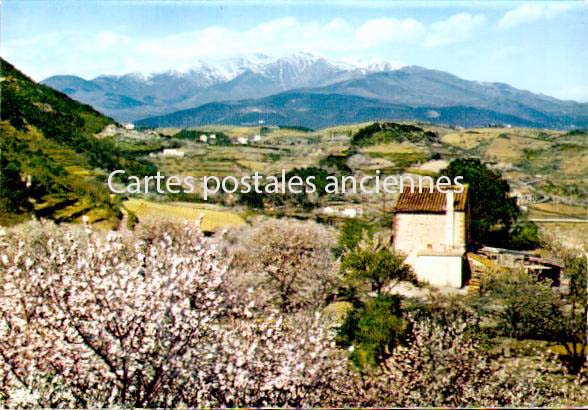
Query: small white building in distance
[[203, 138], [257, 138], [243, 140], [432, 229], [172, 152], [128, 126]]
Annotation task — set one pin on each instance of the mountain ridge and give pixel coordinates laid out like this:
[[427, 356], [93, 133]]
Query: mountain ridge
[[135, 97], [323, 110], [232, 79]]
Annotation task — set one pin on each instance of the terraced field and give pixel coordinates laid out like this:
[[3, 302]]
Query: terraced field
[[213, 217], [553, 162]]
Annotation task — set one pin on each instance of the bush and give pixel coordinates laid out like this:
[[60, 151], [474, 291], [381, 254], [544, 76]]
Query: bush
[[525, 235], [351, 232], [132, 219], [444, 366], [373, 263], [522, 305]]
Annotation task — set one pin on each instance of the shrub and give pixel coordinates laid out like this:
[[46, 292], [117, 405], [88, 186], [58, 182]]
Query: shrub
[[523, 305], [525, 235], [352, 231], [444, 366], [372, 262]]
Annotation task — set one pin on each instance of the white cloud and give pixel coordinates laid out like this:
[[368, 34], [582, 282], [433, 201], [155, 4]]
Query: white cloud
[[114, 53], [388, 30], [456, 28], [529, 12], [277, 37], [273, 37]]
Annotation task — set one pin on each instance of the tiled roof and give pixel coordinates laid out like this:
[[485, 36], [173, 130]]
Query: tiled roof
[[426, 201]]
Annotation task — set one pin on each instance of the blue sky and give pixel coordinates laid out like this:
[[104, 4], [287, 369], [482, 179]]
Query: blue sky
[[538, 46]]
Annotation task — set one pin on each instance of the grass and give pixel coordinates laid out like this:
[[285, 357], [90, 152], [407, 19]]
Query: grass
[[551, 210], [212, 219]]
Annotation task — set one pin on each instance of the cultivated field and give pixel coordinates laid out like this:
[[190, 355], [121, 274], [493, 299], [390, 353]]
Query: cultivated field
[[547, 164], [212, 217]]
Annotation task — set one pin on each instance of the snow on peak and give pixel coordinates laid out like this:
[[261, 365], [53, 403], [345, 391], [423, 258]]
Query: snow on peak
[[209, 72], [369, 65]]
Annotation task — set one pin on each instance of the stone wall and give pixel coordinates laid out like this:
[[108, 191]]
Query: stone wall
[[424, 232]]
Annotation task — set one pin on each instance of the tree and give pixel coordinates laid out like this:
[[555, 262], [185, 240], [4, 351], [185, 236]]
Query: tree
[[252, 199], [373, 330], [13, 192], [320, 177], [287, 263], [493, 211], [572, 326], [351, 232], [143, 319], [373, 262], [443, 365], [91, 320]]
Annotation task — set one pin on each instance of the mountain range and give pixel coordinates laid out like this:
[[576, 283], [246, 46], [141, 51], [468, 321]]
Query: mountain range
[[308, 90]]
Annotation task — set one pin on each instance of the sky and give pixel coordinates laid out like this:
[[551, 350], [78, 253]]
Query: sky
[[538, 46]]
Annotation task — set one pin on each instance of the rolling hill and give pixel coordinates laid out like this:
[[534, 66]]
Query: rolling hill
[[319, 110], [52, 162]]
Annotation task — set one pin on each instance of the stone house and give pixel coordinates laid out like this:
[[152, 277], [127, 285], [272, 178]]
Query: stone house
[[432, 230]]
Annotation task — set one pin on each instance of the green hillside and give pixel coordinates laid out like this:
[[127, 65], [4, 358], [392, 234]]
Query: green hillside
[[52, 163]]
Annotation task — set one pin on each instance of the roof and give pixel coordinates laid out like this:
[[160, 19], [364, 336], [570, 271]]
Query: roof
[[429, 202]]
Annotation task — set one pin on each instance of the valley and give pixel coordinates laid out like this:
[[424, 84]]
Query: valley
[[545, 168]]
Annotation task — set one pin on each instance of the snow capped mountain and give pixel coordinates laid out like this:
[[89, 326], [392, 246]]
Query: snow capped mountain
[[286, 68], [135, 95], [369, 66]]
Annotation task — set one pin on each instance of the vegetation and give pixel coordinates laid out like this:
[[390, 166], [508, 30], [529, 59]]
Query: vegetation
[[267, 311], [337, 163], [524, 235], [50, 140], [12, 188], [89, 348], [377, 265], [292, 273], [351, 232], [493, 210], [301, 200], [211, 219], [295, 128], [373, 331], [523, 305], [194, 135], [379, 133]]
